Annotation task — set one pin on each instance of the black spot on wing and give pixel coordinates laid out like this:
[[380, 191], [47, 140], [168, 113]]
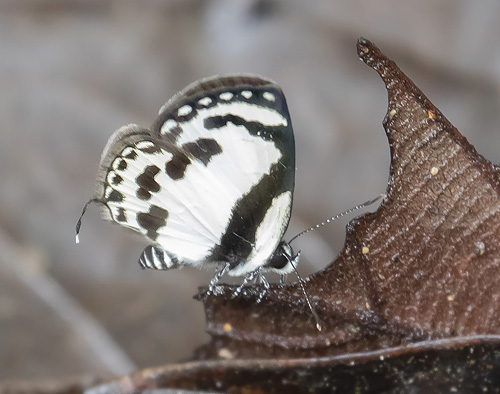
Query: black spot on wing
[[203, 149], [122, 165], [176, 167], [117, 179], [158, 212], [215, 122], [143, 194], [175, 132], [151, 221], [147, 184], [132, 155], [122, 217], [115, 196]]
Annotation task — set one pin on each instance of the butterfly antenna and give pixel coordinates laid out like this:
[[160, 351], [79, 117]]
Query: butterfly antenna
[[333, 218], [79, 222], [301, 282]]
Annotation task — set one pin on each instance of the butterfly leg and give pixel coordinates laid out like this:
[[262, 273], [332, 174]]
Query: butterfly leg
[[248, 277], [215, 280], [282, 279], [263, 280]]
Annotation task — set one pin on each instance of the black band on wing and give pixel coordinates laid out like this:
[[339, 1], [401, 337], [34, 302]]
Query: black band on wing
[[237, 242]]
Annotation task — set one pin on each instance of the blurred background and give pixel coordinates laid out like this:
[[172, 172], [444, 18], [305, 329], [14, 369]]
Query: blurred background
[[71, 72]]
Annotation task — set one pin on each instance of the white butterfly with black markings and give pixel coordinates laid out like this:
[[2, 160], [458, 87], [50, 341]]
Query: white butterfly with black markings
[[211, 182]]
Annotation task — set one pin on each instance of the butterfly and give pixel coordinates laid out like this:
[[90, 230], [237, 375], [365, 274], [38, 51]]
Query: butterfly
[[211, 182]]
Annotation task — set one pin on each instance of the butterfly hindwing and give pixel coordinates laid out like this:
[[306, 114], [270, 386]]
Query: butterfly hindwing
[[213, 179]]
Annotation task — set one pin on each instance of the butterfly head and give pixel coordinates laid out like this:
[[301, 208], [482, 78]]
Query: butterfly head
[[283, 260]]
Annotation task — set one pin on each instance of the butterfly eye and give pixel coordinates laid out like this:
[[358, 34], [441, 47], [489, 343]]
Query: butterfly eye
[[279, 259]]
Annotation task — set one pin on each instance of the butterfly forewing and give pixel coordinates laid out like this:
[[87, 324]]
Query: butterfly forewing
[[213, 179]]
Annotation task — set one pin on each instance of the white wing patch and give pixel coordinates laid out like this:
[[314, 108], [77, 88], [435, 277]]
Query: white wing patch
[[184, 110], [246, 93], [269, 96], [205, 101], [226, 96]]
